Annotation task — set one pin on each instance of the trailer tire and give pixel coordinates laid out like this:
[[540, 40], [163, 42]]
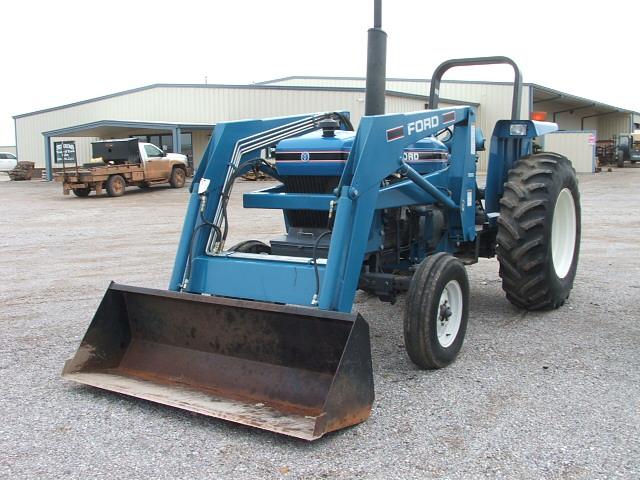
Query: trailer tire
[[434, 335], [178, 177], [116, 186], [250, 246], [81, 192], [538, 240]]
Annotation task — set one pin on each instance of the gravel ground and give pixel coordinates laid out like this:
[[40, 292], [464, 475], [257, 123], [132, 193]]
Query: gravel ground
[[532, 395]]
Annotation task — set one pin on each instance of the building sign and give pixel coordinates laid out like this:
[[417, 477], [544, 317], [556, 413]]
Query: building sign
[[65, 152]]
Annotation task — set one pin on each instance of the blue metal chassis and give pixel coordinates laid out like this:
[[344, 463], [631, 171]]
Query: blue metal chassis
[[376, 154]]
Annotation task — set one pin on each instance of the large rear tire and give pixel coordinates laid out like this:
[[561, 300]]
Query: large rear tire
[[539, 232], [116, 186], [437, 310], [620, 159]]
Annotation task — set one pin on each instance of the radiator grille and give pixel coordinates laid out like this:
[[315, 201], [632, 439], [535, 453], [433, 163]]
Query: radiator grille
[[309, 184]]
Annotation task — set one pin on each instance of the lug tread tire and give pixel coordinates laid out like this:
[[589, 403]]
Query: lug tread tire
[[420, 327], [524, 231]]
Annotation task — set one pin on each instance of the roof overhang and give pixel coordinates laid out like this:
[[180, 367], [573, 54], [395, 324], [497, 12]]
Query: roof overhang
[[116, 128], [556, 102]]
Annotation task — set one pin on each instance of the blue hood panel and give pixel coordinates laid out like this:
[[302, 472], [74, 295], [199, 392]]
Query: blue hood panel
[[313, 154]]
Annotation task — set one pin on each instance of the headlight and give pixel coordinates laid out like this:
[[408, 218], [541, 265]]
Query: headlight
[[518, 129]]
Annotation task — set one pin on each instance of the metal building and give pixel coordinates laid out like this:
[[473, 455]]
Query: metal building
[[573, 114], [181, 117]]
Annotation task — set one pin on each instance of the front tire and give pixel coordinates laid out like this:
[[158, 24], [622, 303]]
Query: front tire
[[250, 246], [620, 159], [81, 192], [178, 177], [539, 232], [437, 311]]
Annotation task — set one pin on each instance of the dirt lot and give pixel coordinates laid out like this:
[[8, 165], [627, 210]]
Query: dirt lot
[[532, 395]]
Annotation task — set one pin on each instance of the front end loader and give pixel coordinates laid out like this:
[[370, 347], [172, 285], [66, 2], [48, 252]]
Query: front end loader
[[265, 334]]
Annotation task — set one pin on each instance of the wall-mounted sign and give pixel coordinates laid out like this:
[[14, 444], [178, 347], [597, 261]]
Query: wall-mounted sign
[[65, 152]]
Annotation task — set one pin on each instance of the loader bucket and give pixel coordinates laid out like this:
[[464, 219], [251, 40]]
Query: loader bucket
[[293, 370]]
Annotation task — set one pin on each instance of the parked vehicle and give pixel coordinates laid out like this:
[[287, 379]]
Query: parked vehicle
[[117, 164], [628, 148], [8, 161]]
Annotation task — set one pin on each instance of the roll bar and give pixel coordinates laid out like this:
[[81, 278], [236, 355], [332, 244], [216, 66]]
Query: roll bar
[[434, 91]]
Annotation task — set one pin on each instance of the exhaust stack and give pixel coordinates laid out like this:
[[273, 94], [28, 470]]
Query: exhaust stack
[[376, 64]]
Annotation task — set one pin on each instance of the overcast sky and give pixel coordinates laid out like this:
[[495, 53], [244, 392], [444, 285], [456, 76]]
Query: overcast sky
[[53, 53]]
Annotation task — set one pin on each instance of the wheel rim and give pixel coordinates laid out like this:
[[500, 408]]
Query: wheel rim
[[563, 233], [449, 313], [118, 186]]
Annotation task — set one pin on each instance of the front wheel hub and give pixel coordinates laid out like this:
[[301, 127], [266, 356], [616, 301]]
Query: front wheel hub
[[450, 313]]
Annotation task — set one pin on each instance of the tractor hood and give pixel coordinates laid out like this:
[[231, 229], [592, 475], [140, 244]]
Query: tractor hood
[[315, 154]]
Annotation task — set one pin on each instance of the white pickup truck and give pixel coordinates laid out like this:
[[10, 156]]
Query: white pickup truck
[[8, 161], [117, 164]]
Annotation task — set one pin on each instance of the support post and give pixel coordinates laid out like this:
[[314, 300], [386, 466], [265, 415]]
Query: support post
[[177, 147], [47, 158]]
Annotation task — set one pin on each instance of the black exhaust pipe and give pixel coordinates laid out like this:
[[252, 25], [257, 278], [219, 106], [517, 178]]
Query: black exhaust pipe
[[376, 64]]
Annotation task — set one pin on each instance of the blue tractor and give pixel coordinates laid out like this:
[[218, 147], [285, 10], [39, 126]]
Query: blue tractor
[[265, 334]]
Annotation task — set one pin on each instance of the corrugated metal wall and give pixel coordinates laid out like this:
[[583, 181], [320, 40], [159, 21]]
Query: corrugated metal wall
[[610, 125], [8, 148], [193, 104], [200, 141], [579, 147]]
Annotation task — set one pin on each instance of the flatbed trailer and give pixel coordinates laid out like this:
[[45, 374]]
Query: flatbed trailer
[[95, 178]]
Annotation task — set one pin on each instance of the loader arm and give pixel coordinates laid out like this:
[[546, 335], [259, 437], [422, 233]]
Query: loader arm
[[233, 142], [377, 153]]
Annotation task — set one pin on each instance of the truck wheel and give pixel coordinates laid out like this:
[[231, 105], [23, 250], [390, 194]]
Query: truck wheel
[[251, 246], [539, 232], [436, 312], [81, 192], [116, 186], [620, 159], [178, 176]]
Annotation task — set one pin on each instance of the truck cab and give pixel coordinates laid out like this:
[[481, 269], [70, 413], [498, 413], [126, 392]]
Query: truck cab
[[157, 163]]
